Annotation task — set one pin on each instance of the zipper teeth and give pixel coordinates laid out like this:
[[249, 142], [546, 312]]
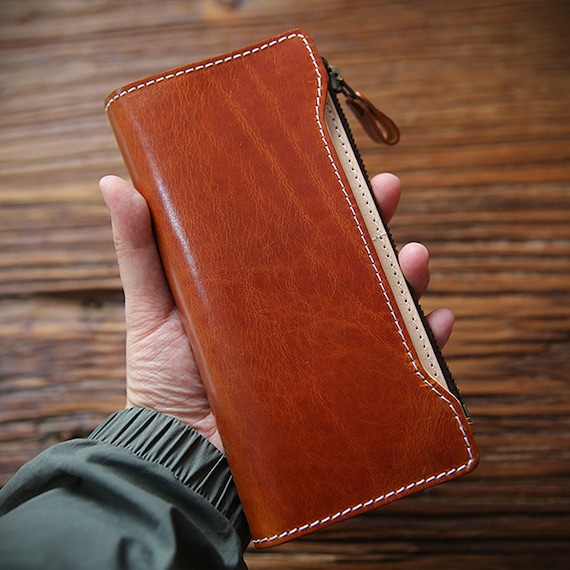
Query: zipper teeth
[[450, 381]]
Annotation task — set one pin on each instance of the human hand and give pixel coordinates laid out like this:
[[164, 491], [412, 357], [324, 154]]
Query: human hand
[[161, 370]]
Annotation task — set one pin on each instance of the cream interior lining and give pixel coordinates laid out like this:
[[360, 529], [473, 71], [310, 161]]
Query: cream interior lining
[[382, 245]]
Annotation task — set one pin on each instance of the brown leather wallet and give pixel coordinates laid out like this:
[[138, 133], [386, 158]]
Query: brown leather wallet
[[330, 394]]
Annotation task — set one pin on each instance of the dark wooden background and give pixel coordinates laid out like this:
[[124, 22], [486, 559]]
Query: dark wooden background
[[481, 91]]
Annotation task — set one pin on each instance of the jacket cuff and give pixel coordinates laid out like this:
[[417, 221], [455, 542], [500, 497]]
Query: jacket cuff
[[191, 458]]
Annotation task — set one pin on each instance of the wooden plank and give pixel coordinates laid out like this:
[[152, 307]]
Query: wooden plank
[[62, 371], [480, 91]]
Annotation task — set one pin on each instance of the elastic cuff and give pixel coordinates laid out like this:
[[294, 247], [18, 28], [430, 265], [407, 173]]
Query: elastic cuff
[[191, 458]]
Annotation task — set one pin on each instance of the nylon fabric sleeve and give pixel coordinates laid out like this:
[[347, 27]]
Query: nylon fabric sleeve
[[143, 491]]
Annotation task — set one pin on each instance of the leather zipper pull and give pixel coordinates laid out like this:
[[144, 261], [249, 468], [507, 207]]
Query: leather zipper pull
[[379, 127]]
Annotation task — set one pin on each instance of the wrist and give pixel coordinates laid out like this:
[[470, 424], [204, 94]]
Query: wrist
[[193, 460]]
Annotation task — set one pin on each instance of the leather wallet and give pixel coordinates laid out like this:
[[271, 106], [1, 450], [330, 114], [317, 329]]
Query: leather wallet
[[329, 391]]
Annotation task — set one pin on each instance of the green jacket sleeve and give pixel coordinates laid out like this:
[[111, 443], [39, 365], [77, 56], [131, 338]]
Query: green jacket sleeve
[[143, 491]]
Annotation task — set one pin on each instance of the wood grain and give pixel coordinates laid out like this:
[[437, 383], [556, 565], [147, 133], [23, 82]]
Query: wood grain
[[480, 90]]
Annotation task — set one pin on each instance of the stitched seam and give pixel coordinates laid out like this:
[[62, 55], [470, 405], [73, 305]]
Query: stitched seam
[[245, 53], [207, 65], [423, 481], [369, 503], [383, 237]]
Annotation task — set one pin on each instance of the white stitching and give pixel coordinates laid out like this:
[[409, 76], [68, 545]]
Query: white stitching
[[204, 66], [370, 256], [357, 507], [383, 236], [394, 316], [364, 240]]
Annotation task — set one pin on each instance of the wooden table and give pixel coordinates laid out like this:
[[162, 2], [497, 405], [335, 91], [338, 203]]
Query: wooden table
[[481, 91]]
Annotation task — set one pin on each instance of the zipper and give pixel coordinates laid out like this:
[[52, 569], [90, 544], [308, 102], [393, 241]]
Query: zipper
[[382, 129], [379, 127]]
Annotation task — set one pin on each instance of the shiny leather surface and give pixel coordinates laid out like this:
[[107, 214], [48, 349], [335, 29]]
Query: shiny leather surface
[[322, 402]]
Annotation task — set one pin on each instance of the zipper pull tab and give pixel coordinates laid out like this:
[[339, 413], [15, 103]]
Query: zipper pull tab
[[379, 127]]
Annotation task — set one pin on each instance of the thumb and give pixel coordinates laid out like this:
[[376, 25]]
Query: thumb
[[140, 268]]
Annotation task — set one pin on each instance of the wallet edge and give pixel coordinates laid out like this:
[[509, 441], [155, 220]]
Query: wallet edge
[[320, 106]]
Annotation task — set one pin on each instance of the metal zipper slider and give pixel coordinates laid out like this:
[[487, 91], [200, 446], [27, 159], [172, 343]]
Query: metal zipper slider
[[379, 127]]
